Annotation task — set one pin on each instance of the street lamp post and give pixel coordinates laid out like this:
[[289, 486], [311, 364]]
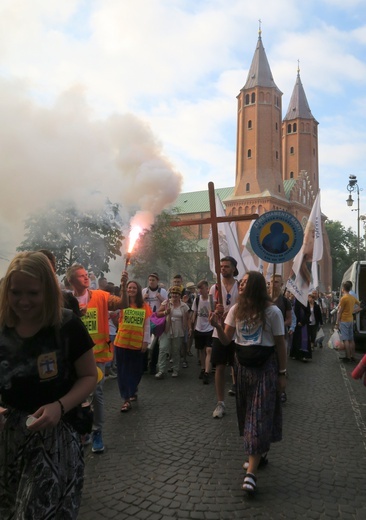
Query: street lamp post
[[351, 187]]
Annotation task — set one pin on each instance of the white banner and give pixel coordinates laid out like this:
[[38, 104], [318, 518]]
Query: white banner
[[304, 270], [228, 241]]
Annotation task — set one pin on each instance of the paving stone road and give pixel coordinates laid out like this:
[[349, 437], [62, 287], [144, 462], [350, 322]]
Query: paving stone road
[[169, 458]]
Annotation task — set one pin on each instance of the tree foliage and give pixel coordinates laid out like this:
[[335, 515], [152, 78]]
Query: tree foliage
[[343, 247], [169, 250], [91, 238]]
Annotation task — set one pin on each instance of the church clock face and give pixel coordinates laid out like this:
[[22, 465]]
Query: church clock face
[[304, 221]]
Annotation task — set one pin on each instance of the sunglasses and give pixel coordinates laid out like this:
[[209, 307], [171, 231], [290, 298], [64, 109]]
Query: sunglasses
[[228, 299]]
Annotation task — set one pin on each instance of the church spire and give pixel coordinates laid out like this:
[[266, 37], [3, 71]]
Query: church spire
[[260, 74], [298, 107]]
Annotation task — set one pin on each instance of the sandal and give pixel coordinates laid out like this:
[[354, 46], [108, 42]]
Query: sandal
[[250, 483], [126, 407], [262, 463], [134, 397]]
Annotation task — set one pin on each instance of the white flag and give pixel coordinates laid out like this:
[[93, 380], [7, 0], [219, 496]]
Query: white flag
[[251, 261], [304, 269], [228, 241]]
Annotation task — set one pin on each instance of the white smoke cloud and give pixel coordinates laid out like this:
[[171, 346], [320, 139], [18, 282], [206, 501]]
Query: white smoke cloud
[[62, 152]]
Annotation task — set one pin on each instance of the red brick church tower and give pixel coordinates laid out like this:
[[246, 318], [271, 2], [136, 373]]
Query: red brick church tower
[[276, 160]]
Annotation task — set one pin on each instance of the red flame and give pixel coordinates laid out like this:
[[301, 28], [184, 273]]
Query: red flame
[[134, 235]]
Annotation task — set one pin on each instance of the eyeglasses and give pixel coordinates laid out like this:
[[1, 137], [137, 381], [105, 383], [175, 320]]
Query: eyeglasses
[[228, 299]]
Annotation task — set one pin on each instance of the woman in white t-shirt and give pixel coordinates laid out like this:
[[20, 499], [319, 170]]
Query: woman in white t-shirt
[[260, 369]]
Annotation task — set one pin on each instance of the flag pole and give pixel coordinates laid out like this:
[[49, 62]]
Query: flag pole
[[215, 238]]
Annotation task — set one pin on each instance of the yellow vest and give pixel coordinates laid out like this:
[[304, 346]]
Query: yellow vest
[[96, 322], [130, 332]]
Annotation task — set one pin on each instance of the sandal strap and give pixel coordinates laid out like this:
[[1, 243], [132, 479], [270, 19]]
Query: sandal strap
[[249, 483]]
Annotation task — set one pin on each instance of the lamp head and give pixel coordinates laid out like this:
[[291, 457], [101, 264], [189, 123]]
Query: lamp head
[[349, 200]]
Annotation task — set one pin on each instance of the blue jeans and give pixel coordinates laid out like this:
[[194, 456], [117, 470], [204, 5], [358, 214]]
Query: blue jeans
[[98, 401]]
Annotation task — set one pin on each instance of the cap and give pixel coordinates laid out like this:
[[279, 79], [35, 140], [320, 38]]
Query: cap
[[155, 275], [232, 261], [190, 284]]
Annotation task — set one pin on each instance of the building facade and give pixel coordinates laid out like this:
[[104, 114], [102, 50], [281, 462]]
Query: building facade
[[276, 159]]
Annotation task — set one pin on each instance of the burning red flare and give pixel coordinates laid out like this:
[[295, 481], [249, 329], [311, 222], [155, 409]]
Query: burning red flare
[[134, 235]]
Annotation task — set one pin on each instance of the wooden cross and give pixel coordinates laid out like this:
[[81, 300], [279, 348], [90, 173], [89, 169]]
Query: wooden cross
[[214, 220]]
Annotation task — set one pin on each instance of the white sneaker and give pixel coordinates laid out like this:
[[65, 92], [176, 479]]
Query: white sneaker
[[219, 411], [159, 375], [174, 374]]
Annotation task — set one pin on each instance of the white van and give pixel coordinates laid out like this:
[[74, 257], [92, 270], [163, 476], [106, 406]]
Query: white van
[[357, 275]]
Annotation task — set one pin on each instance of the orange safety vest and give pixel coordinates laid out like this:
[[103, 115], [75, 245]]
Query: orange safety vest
[[96, 322], [130, 332]]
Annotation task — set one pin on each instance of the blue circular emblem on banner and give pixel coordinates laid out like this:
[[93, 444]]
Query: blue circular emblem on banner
[[276, 237]]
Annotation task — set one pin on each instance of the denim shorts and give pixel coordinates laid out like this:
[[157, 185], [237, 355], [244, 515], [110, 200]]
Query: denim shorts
[[346, 330]]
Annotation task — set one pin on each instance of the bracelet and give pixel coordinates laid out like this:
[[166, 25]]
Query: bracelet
[[62, 408]]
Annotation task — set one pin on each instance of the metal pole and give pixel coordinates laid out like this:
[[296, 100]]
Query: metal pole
[[358, 223]]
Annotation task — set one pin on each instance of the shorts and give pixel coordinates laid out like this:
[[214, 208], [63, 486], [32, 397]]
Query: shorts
[[202, 339], [346, 330], [222, 354]]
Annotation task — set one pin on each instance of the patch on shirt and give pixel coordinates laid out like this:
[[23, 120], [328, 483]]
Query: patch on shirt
[[47, 365], [251, 334]]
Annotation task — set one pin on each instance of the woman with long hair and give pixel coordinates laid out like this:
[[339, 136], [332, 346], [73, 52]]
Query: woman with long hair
[[131, 342], [47, 369], [260, 369]]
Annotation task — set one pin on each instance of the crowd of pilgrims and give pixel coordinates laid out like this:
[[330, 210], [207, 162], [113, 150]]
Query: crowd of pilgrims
[[58, 344]]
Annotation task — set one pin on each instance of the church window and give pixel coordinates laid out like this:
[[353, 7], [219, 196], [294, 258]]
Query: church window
[[279, 188], [250, 123], [277, 155], [289, 129], [302, 127], [260, 210], [292, 150], [261, 97], [246, 210], [249, 153], [234, 212], [240, 210], [291, 175], [247, 99], [276, 126], [268, 97], [253, 97], [254, 209], [247, 187], [294, 127]]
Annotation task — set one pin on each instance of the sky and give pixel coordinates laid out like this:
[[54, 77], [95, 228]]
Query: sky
[[137, 100]]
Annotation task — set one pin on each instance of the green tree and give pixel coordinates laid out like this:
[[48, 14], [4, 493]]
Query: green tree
[[343, 247], [91, 238], [169, 250]]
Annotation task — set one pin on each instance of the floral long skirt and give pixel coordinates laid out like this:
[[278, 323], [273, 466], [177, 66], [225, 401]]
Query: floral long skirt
[[258, 406], [41, 473]]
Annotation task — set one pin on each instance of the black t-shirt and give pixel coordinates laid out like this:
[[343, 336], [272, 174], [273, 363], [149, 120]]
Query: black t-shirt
[[39, 370], [283, 304]]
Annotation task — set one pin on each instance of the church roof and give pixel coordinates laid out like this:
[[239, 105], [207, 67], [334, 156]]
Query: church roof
[[198, 201], [260, 74], [299, 106]]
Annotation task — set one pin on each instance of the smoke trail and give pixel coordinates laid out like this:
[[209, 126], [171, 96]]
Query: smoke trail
[[63, 152]]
